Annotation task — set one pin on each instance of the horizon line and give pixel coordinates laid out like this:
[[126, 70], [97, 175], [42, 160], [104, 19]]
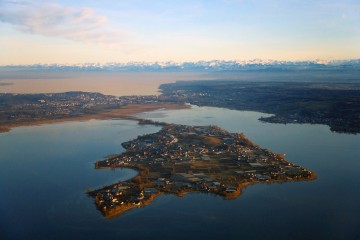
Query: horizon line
[[254, 60]]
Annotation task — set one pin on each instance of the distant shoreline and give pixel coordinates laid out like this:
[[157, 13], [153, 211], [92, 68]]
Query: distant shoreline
[[5, 83], [125, 112]]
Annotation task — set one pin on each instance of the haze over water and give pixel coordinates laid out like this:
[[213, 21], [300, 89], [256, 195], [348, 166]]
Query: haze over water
[[144, 83], [111, 83]]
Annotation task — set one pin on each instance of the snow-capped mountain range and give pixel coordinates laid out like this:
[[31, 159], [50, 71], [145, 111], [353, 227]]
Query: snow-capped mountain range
[[213, 65]]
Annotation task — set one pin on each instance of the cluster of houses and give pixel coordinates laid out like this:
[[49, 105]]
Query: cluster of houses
[[59, 105]]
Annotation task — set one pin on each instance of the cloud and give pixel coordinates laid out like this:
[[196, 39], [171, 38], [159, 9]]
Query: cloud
[[55, 20]]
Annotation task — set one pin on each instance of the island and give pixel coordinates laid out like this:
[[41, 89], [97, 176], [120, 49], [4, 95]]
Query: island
[[180, 159], [176, 160]]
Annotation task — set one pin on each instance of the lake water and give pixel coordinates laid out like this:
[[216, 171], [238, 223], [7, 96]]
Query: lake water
[[143, 83], [46, 170], [112, 83]]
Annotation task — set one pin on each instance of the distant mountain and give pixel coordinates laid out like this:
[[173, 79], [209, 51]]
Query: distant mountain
[[214, 65]]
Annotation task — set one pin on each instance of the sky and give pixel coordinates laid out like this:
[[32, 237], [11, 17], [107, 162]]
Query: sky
[[91, 31]]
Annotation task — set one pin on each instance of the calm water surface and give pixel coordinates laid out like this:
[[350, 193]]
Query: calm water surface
[[113, 83], [47, 169]]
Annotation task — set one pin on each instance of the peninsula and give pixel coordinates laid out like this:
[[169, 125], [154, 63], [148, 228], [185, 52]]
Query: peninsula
[[35, 109], [180, 159], [336, 104]]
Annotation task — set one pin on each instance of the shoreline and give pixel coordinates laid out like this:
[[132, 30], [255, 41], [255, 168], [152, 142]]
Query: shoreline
[[125, 113]]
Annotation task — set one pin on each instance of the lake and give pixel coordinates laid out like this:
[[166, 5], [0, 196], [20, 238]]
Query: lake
[[112, 83], [144, 83], [46, 171]]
